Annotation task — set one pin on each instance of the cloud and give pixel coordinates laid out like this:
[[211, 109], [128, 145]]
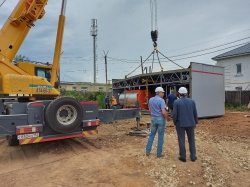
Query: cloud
[[124, 30]]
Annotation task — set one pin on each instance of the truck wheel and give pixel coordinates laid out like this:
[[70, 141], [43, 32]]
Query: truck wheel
[[12, 140], [64, 114]]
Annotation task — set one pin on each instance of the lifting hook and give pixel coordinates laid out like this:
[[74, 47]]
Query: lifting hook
[[154, 36]]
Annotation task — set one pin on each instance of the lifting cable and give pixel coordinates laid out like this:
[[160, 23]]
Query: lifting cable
[[154, 29], [170, 60], [138, 66], [159, 59], [153, 60], [154, 36], [154, 33]]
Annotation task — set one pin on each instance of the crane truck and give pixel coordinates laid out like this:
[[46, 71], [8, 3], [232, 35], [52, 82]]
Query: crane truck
[[31, 109]]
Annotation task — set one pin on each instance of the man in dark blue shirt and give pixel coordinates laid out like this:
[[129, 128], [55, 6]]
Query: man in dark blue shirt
[[106, 101], [170, 100]]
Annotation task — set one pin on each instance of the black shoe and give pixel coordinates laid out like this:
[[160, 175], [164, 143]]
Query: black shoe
[[193, 160], [182, 159]]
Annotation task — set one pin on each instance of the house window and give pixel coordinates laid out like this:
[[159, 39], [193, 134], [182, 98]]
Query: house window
[[74, 88], [238, 69], [84, 89], [100, 89]]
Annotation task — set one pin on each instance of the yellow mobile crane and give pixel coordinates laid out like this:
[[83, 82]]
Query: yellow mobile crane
[[31, 110], [21, 80]]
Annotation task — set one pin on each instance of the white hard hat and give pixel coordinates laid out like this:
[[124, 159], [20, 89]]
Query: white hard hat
[[159, 89], [183, 90]]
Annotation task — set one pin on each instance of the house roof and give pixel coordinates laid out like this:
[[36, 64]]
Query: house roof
[[243, 50]]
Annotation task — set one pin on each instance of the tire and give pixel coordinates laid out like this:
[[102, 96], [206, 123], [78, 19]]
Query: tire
[[64, 114], [12, 140]]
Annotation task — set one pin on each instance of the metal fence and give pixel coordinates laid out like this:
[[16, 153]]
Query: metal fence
[[237, 97]]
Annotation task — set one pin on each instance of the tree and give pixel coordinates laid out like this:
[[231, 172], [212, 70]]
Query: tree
[[21, 58]]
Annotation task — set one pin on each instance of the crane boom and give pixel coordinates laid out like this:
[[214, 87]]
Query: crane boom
[[24, 79], [58, 47], [18, 25]]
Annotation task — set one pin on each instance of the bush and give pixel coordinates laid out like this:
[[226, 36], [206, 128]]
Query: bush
[[88, 96], [237, 107]]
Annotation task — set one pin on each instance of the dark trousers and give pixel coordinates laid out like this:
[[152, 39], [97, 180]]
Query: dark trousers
[[107, 106], [181, 140]]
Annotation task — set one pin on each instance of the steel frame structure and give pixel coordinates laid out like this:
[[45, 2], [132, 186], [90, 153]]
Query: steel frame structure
[[168, 78]]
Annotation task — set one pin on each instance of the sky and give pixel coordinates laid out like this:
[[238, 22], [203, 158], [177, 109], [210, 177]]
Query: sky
[[189, 31]]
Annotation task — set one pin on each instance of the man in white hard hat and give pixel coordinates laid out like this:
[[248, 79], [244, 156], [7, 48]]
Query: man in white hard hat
[[185, 119], [159, 115]]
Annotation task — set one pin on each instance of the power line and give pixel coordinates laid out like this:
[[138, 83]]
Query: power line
[[209, 40], [133, 60], [137, 61], [210, 52], [123, 60], [115, 69], [210, 48], [71, 78], [2, 3], [186, 57], [87, 59], [213, 51]]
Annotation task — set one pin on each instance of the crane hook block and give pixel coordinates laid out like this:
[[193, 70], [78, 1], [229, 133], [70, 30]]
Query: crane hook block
[[154, 35]]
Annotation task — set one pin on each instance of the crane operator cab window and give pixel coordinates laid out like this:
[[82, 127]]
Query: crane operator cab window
[[44, 72]]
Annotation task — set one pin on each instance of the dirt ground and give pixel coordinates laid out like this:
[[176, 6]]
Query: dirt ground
[[113, 158]]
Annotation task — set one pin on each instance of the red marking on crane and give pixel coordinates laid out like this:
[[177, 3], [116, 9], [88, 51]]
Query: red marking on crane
[[89, 103], [37, 104]]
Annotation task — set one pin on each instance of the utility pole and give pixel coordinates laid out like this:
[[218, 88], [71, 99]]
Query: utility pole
[[141, 66], [93, 33], [106, 68]]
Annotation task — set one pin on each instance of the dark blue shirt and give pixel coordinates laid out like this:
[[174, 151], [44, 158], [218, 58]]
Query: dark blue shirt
[[106, 100], [171, 99]]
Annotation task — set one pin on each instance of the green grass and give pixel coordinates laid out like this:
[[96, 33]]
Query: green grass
[[236, 108]]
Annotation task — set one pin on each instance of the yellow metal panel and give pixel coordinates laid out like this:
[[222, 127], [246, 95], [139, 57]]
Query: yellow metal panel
[[26, 141], [25, 84], [88, 133], [38, 140], [30, 67]]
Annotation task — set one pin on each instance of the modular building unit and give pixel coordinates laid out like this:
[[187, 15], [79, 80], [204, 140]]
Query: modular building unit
[[205, 84]]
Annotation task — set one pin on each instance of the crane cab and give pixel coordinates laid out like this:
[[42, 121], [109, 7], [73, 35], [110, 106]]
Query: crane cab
[[36, 69]]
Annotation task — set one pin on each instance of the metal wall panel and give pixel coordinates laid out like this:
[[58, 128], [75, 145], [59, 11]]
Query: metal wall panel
[[207, 89]]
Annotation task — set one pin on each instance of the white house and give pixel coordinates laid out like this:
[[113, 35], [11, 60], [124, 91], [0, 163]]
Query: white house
[[236, 65]]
